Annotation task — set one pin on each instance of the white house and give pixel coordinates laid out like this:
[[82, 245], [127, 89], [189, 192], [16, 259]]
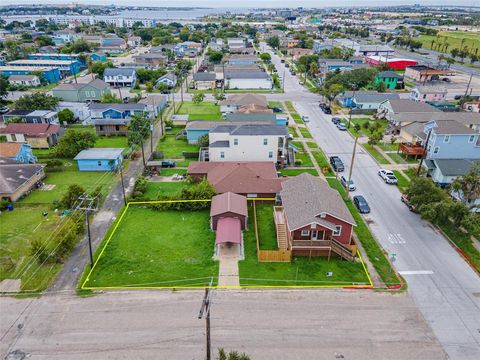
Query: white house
[[120, 77], [234, 102], [248, 143], [429, 93], [248, 80], [26, 80], [168, 79]]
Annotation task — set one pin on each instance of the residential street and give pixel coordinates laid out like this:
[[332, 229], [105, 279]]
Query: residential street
[[307, 324], [445, 288]]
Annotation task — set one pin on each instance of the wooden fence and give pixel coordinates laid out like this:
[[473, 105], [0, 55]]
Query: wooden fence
[[269, 255]]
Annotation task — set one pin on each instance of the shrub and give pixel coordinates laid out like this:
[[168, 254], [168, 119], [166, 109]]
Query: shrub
[[298, 162], [366, 125], [356, 127], [53, 165]]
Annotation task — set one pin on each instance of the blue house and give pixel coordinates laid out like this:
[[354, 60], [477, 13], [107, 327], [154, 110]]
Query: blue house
[[49, 74], [168, 79], [98, 57], [116, 111], [196, 129], [52, 56], [99, 159], [20, 152], [66, 67]]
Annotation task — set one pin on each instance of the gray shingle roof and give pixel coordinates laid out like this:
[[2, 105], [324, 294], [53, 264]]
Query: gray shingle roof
[[389, 74], [246, 75], [453, 127], [14, 174], [220, 144], [466, 118], [245, 99], [118, 107], [375, 97], [454, 167], [251, 129], [204, 76], [405, 105], [118, 71], [305, 197]]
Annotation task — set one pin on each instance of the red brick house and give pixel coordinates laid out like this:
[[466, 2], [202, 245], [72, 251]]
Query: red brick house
[[251, 179], [313, 219]]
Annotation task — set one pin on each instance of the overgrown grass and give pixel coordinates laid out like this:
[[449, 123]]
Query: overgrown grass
[[372, 248], [402, 181], [158, 248], [157, 189], [173, 148], [363, 131], [463, 241], [266, 233], [305, 158], [322, 161]]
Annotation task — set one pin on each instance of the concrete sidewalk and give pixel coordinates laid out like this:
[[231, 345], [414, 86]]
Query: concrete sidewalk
[[228, 269]]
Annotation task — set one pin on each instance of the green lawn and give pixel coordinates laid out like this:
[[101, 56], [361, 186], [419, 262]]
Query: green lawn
[[388, 147], [173, 148], [111, 142], [312, 145], [302, 271], [272, 104], [156, 189], [290, 107], [18, 228], [293, 131], [158, 248], [295, 172], [376, 155], [297, 118], [361, 121], [267, 234], [323, 162], [402, 181], [373, 250], [297, 144], [305, 158], [453, 38], [203, 111], [305, 133]]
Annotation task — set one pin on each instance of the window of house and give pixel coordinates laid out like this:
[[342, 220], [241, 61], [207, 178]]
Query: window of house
[[14, 137], [222, 155], [99, 163], [446, 139], [338, 230], [265, 141], [117, 127], [471, 139], [101, 127], [235, 141], [270, 154], [436, 149], [305, 233]]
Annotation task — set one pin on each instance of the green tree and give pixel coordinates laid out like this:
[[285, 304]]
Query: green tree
[[99, 67], [215, 56], [109, 98], [198, 98], [44, 41], [265, 57], [37, 101], [70, 198], [375, 138], [469, 184], [331, 92], [274, 42], [3, 88], [66, 116], [149, 86], [203, 141], [138, 130], [74, 141], [381, 87]]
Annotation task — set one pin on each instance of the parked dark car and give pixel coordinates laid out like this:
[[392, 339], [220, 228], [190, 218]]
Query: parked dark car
[[337, 163], [287, 65], [282, 61], [361, 204], [325, 108], [277, 110], [336, 120], [168, 163]]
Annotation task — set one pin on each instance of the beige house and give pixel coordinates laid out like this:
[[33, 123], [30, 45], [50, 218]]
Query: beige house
[[17, 179], [38, 136]]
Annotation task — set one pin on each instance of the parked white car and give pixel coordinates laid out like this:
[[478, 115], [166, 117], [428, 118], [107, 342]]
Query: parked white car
[[388, 176]]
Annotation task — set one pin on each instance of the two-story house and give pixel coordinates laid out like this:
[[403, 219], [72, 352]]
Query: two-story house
[[248, 143], [451, 149], [42, 117], [120, 77], [114, 119], [429, 93], [92, 91]]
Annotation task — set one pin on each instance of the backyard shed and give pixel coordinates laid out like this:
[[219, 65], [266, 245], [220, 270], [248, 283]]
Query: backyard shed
[[99, 159], [228, 205]]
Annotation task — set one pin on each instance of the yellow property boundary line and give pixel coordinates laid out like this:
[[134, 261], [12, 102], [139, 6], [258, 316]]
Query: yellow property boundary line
[[87, 278]]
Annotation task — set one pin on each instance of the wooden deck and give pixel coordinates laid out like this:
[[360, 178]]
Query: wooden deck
[[411, 149], [281, 227]]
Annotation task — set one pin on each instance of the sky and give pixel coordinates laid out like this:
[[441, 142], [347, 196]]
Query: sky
[[256, 3]]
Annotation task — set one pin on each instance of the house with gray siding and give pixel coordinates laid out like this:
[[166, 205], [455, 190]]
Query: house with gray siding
[[92, 91]]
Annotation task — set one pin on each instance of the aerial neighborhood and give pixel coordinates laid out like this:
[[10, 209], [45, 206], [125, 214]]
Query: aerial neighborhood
[[279, 148]]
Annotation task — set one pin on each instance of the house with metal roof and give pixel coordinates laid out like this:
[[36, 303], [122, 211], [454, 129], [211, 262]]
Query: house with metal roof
[[247, 80], [25, 80], [99, 159], [313, 219], [18, 178]]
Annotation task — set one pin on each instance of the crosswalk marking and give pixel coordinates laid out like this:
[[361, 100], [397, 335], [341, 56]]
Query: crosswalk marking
[[416, 272], [396, 238]]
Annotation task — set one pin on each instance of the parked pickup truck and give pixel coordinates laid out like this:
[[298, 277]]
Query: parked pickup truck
[[337, 163]]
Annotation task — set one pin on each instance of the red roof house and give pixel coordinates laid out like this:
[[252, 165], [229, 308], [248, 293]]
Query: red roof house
[[39, 136]]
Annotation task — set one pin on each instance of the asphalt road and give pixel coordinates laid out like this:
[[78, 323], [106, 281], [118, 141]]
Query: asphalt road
[[444, 287], [280, 325]]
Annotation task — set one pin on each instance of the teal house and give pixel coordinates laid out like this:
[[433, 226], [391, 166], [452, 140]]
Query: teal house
[[391, 79], [99, 159]]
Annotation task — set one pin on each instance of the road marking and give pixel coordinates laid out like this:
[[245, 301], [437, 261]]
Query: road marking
[[416, 272], [396, 238]]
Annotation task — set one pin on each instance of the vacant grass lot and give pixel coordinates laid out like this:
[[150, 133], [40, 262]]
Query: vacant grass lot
[[305, 133], [18, 228], [453, 38], [203, 111], [322, 161], [104, 141], [300, 272], [362, 121], [267, 232], [376, 155], [173, 148], [158, 248]]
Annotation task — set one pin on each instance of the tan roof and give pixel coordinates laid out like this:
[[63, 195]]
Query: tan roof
[[246, 99], [9, 149], [305, 197], [229, 203], [239, 177], [254, 109], [35, 130]]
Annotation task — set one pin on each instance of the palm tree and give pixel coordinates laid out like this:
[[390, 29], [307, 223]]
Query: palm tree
[[455, 52], [432, 43], [449, 61], [445, 47]]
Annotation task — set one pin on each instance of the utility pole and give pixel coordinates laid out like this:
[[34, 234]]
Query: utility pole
[[123, 184], [173, 99], [351, 164], [143, 154], [424, 152], [283, 81], [88, 208], [468, 86], [205, 311], [351, 107]]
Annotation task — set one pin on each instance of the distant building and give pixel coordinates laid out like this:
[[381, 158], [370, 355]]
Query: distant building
[[120, 77], [429, 93], [92, 91], [25, 80]]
